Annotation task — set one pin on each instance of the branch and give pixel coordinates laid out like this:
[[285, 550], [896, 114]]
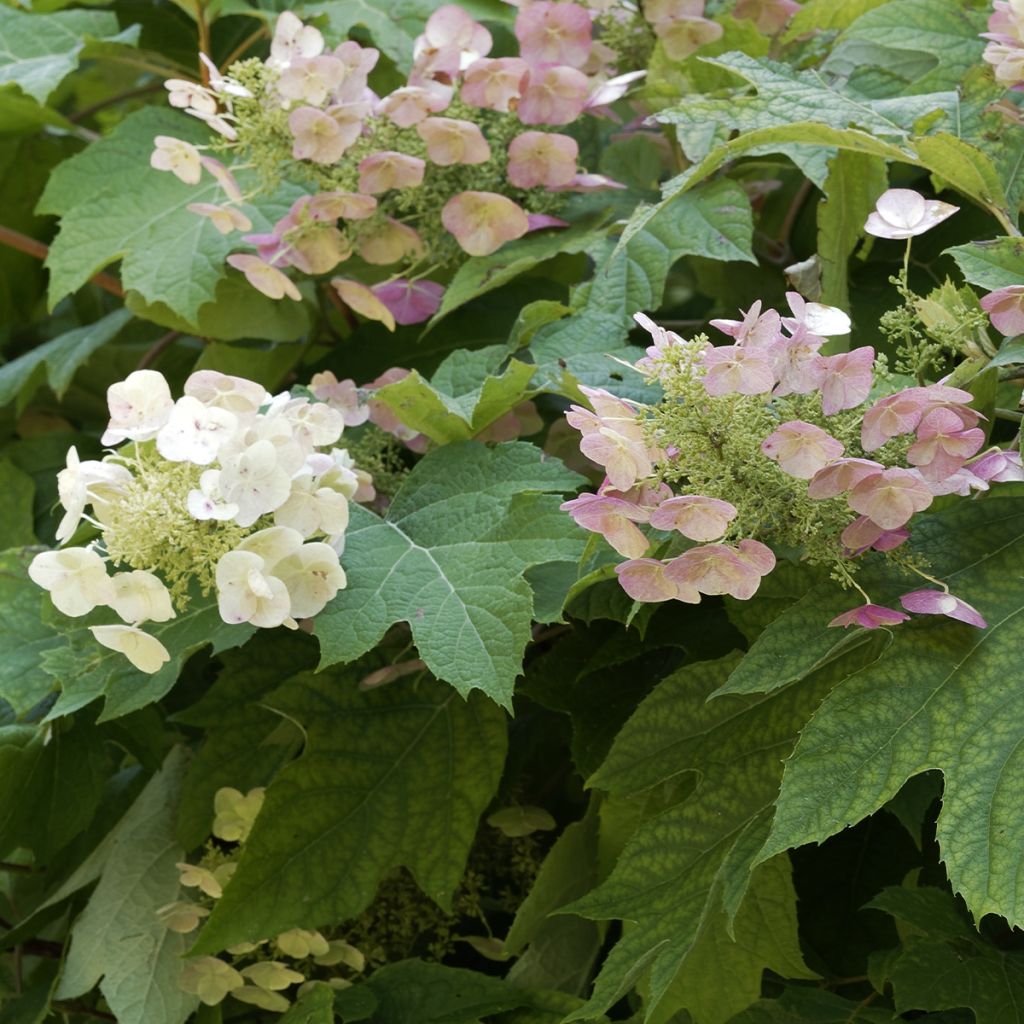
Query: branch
[[23, 243]]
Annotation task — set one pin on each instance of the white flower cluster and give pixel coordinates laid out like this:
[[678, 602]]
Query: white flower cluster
[[228, 487]]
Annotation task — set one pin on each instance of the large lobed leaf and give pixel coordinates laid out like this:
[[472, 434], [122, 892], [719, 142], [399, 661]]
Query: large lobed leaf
[[449, 559], [394, 776]]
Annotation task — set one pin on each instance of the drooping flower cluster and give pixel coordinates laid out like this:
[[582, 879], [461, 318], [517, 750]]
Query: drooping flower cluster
[[256, 973], [462, 158], [228, 489], [766, 442], [1005, 49]]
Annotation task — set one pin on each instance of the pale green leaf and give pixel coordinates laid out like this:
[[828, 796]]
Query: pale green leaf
[[394, 776], [449, 559], [992, 264], [822, 15], [56, 361], [114, 206], [314, 1007], [943, 696], [17, 495], [118, 940]]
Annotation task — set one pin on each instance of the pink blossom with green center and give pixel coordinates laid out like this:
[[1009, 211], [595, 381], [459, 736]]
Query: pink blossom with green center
[[311, 80], [263, 277], [735, 370], [939, 602], [695, 516], [645, 579], [801, 449], [339, 206], [542, 158], [943, 445], [721, 569], [613, 518], [224, 218], [318, 136], [1005, 308], [798, 367], [451, 141], [412, 103], [846, 379], [840, 476], [380, 172], [755, 330], [870, 616], [891, 497], [998, 467], [390, 242], [902, 412], [553, 33], [410, 302], [863, 533], [553, 95], [180, 158], [482, 222], [494, 83]]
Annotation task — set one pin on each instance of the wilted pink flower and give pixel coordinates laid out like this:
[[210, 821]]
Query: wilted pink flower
[[390, 242], [683, 36], [311, 80], [410, 302], [451, 141], [342, 395], [863, 533], [943, 445], [890, 498], [318, 136], [483, 221], [494, 83], [998, 466], [801, 449], [841, 476], [695, 516], [553, 95], [647, 494], [317, 248], [770, 16], [542, 158], [720, 569], [756, 329], [357, 296], [733, 369], [613, 518], [263, 277], [412, 103], [904, 213], [553, 33], [1005, 309], [388, 169], [939, 602], [644, 579], [846, 380], [270, 248], [224, 218], [870, 616]]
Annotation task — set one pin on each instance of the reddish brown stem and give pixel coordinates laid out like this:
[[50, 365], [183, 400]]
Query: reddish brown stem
[[23, 243]]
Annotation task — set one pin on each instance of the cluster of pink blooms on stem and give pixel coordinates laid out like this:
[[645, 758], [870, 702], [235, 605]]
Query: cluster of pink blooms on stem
[[1005, 50], [774, 356], [459, 108]]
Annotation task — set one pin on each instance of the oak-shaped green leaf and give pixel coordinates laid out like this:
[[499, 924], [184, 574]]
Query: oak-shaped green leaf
[[943, 696], [114, 206], [393, 776], [119, 940], [56, 361], [449, 559], [469, 391], [687, 869], [943, 963]]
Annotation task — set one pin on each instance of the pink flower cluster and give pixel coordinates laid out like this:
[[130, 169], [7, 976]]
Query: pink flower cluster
[[1005, 50], [777, 356]]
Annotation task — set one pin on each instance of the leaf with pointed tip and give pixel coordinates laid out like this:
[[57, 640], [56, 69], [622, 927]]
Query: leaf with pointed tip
[[449, 557], [992, 264], [394, 776], [943, 696]]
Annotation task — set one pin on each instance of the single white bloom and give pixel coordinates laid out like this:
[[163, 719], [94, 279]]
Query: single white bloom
[[312, 576], [179, 157], [190, 94], [75, 577], [316, 424], [293, 39], [272, 544], [139, 406], [236, 394], [904, 213], [82, 482], [255, 482], [246, 592], [208, 502], [195, 432], [145, 652], [343, 476], [140, 596], [311, 509], [824, 321]]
